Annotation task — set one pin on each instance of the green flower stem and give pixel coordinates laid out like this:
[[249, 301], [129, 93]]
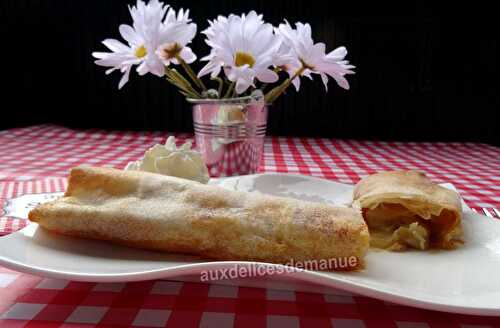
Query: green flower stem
[[221, 85], [230, 89], [176, 78], [191, 73], [272, 95]]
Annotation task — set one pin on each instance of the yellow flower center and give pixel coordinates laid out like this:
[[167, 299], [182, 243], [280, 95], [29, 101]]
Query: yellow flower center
[[243, 58], [141, 52]]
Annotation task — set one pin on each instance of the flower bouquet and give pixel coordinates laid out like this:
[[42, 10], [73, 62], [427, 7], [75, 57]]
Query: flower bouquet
[[250, 64]]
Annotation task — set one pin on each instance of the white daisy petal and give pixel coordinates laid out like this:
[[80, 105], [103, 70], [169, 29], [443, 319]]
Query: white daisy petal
[[251, 24], [124, 78], [341, 81], [337, 54], [296, 83], [331, 68], [216, 71], [100, 55], [112, 60], [142, 68], [318, 50], [184, 34], [108, 61], [155, 66], [324, 78], [267, 76], [188, 55], [130, 35], [170, 18], [208, 68], [242, 85], [115, 45], [231, 73], [111, 70]]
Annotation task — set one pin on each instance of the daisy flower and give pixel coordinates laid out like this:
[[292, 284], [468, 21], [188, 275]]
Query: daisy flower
[[285, 60], [176, 32], [142, 41], [313, 56], [244, 47]]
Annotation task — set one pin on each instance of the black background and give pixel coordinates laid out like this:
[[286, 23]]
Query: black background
[[423, 73]]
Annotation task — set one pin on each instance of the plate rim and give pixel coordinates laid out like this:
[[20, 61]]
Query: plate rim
[[314, 277]]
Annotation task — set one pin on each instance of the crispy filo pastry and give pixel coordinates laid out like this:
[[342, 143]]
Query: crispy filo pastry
[[405, 209], [157, 212]]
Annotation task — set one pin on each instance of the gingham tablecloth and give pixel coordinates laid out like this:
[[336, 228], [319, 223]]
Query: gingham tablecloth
[[36, 159]]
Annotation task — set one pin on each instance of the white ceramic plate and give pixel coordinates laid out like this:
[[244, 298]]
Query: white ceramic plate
[[464, 280]]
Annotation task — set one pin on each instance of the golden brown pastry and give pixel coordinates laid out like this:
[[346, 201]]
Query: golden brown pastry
[[405, 209], [165, 213]]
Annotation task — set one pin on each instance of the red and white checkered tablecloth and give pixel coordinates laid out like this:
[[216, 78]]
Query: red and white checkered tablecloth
[[36, 159]]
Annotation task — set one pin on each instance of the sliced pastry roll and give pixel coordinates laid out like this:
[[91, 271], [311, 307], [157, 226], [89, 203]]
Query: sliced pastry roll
[[152, 211], [406, 209]]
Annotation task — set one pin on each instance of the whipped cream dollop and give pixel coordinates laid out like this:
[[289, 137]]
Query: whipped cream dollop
[[182, 162]]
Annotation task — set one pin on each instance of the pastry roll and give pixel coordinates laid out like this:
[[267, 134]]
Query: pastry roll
[[405, 209], [156, 212]]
